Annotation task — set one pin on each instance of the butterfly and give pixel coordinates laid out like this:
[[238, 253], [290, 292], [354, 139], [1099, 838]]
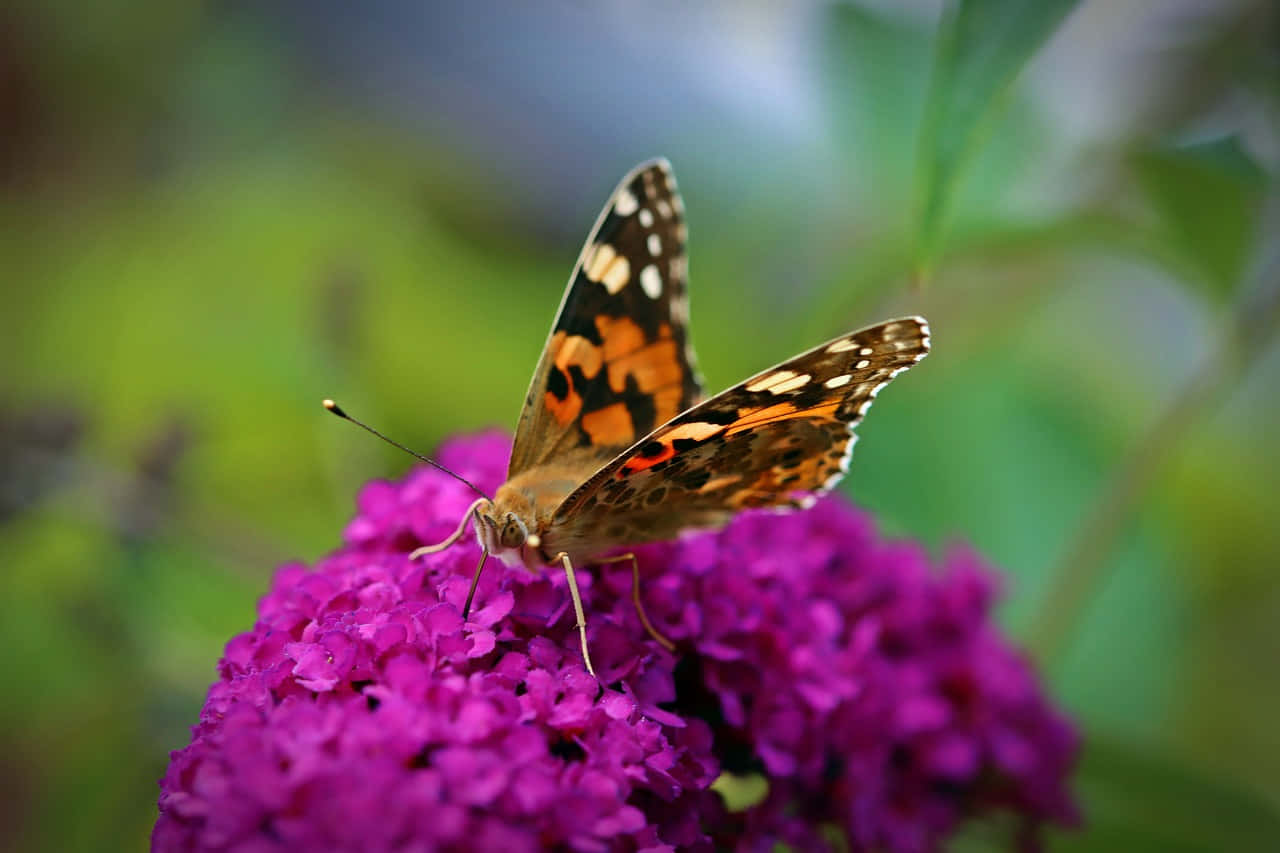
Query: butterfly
[[618, 446]]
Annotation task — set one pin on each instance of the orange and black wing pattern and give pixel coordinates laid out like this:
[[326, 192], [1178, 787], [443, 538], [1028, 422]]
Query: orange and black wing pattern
[[618, 363], [775, 440]]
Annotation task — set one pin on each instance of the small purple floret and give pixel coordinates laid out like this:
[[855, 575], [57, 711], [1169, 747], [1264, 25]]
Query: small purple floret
[[362, 712]]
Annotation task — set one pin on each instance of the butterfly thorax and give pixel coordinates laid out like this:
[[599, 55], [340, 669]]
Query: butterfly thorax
[[517, 526]]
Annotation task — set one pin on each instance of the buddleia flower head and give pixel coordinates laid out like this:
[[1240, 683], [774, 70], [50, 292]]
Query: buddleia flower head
[[868, 689]]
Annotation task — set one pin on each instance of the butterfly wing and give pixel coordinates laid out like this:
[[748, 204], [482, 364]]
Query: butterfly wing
[[777, 439], [618, 362]]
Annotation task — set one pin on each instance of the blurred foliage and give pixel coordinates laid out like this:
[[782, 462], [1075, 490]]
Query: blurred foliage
[[982, 45], [1215, 239], [202, 235]]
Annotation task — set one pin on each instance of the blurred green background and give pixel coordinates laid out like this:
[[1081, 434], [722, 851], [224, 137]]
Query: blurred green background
[[215, 214]]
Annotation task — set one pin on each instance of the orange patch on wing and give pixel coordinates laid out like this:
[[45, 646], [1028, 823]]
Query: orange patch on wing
[[754, 418], [619, 335], [576, 351], [751, 497], [564, 410], [748, 417], [640, 463], [653, 366], [571, 351], [809, 473], [610, 425], [666, 404]]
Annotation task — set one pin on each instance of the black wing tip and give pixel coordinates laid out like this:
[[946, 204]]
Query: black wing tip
[[922, 328], [917, 322], [926, 334], [659, 164]]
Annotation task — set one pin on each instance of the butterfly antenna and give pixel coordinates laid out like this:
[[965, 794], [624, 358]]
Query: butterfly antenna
[[337, 410]]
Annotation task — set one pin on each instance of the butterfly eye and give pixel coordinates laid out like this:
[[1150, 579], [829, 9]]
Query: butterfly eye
[[513, 533]]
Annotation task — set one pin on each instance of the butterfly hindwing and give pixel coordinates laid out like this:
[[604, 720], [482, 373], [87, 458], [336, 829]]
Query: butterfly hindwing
[[618, 362], [774, 440]]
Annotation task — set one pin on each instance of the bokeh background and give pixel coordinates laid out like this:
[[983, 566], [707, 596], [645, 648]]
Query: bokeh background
[[214, 214]]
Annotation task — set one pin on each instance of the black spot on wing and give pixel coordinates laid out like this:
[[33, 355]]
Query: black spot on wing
[[558, 383], [695, 479], [719, 417], [641, 407], [591, 300]]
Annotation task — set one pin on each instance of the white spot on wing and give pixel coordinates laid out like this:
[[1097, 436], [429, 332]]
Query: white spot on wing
[[791, 384], [780, 382], [841, 346], [772, 379], [598, 258], [655, 244], [617, 276], [664, 208], [926, 339], [646, 218], [626, 203], [651, 281], [861, 364], [838, 381]]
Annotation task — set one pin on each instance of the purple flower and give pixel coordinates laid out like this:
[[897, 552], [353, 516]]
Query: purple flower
[[362, 712]]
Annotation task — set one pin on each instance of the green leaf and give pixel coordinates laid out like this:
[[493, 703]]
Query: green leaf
[[1134, 799], [982, 45], [1208, 198]]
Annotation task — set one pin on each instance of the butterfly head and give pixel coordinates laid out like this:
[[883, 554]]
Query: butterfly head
[[504, 531]]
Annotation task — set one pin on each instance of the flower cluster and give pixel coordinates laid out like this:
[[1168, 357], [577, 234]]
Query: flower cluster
[[362, 712]]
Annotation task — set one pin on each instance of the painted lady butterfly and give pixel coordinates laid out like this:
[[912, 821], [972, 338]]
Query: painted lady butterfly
[[616, 445]]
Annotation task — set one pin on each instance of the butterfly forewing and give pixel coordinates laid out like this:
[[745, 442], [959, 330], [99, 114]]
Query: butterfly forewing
[[776, 439], [618, 362]]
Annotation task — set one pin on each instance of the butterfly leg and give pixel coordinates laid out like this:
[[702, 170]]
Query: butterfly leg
[[577, 607], [454, 537], [635, 598], [475, 581]]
